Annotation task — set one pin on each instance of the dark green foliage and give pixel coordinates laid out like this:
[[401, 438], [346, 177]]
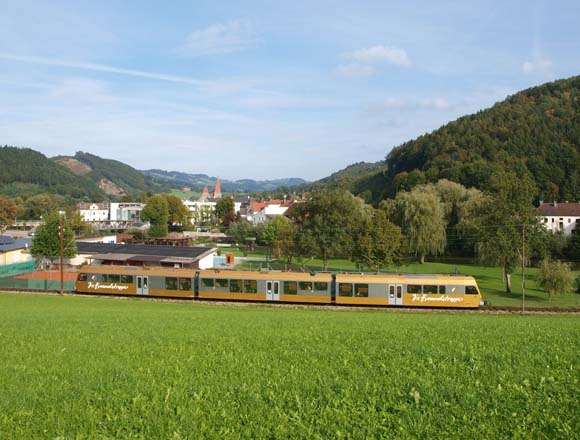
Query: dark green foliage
[[26, 172], [555, 277], [156, 212], [46, 242], [225, 210], [537, 127]]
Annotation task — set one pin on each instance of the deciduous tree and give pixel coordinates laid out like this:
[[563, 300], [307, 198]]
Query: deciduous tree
[[156, 212], [46, 242]]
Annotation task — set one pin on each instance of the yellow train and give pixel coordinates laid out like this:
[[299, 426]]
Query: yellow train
[[457, 291]]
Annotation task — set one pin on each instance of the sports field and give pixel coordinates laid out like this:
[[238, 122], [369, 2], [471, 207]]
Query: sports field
[[80, 367]]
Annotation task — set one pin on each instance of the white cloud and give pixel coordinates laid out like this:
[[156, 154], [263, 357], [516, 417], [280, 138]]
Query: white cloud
[[355, 70], [538, 66], [434, 104], [231, 36], [376, 54], [103, 68]]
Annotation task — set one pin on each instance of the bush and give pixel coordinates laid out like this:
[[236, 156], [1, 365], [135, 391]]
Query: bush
[[555, 277]]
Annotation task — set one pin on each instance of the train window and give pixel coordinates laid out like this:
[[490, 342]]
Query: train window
[[207, 282], [361, 290], [221, 283], [305, 285], [345, 289], [290, 287], [114, 278], [470, 290], [413, 288], [442, 289], [429, 289], [82, 277], [321, 286], [235, 286], [104, 278], [250, 286], [185, 284], [171, 283], [127, 279]]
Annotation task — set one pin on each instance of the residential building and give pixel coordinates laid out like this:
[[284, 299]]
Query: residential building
[[94, 212], [563, 217], [125, 212]]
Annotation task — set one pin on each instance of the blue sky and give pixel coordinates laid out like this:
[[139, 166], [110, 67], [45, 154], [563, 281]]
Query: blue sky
[[262, 89]]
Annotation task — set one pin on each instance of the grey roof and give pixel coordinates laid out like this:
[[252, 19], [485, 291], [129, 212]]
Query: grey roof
[[142, 249], [10, 244]]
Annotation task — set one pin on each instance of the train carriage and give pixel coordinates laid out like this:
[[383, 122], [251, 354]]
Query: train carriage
[[265, 286], [456, 291], [407, 290]]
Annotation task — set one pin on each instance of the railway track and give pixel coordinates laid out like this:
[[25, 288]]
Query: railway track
[[484, 309]]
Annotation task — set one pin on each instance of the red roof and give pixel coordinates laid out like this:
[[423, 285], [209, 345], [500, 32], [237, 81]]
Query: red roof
[[560, 209]]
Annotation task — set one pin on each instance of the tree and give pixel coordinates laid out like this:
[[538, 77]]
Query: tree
[[378, 242], [242, 231], [36, 206], [327, 222], [279, 235], [178, 214], [156, 212], [225, 210], [46, 242], [555, 277], [507, 206], [421, 215], [8, 210]]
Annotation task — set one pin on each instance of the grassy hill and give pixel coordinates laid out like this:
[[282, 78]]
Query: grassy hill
[[536, 130]]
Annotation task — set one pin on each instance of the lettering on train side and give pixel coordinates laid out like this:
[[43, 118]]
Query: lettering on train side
[[112, 286], [443, 298]]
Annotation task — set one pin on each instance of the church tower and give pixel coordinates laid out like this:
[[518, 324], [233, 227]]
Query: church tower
[[217, 194]]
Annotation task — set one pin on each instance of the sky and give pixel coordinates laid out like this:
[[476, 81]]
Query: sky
[[262, 89]]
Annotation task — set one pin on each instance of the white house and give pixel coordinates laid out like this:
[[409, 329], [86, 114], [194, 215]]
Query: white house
[[94, 212], [268, 212], [560, 216]]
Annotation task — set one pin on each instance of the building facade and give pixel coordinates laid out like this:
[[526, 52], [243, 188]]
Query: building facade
[[563, 217]]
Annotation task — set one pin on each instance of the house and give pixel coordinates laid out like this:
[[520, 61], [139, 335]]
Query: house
[[263, 212], [145, 255], [563, 217], [94, 212], [125, 212], [15, 256]]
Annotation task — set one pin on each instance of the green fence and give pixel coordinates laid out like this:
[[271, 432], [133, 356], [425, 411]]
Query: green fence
[[15, 283], [11, 270]]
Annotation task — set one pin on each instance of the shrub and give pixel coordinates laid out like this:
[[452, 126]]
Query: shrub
[[555, 277]]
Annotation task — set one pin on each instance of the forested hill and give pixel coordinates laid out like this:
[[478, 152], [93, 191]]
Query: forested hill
[[536, 130], [24, 172]]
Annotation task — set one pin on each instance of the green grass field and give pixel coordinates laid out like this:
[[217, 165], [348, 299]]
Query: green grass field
[[78, 367], [489, 280]]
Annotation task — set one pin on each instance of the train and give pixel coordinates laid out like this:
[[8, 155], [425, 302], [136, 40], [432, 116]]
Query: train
[[396, 290]]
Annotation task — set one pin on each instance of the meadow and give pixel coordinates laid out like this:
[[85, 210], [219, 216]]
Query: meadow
[[91, 367]]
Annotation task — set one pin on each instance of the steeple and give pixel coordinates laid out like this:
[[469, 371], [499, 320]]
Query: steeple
[[204, 194], [217, 194]]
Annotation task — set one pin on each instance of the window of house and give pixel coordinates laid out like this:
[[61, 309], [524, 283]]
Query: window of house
[[413, 288], [207, 282], [171, 283], [250, 286], [361, 290], [345, 289], [305, 285], [185, 284], [290, 287]]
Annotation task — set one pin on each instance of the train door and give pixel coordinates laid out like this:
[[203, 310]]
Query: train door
[[142, 285], [395, 294], [273, 290]]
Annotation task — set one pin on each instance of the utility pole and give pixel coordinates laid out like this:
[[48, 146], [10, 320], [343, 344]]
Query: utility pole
[[523, 268], [61, 242]]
